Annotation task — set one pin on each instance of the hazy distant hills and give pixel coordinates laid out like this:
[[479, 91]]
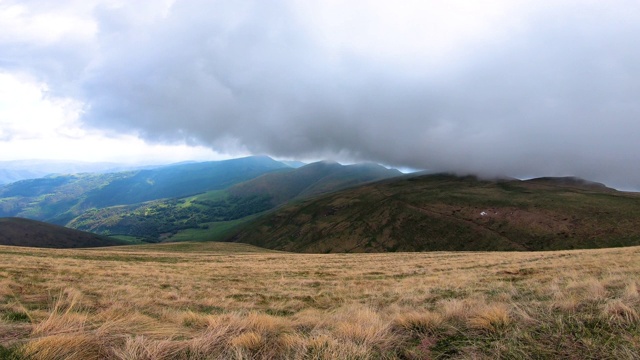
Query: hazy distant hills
[[445, 212], [156, 220], [25, 232], [13, 175], [16, 170], [181, 180], [58, 199]]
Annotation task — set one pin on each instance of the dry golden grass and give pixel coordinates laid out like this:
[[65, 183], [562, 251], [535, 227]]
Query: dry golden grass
[[204, 301]]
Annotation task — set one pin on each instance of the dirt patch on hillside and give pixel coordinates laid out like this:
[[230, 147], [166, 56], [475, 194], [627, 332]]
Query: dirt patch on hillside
[[536, 221]]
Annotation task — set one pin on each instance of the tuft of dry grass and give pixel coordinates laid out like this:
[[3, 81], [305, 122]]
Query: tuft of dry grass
[[155, 302], [617, 312], [422, 322], [68, 346], [141, 348], [491, 317], [63, 318], [249, 341], [631, 292]]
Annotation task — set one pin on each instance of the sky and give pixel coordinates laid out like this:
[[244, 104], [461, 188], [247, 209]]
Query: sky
[[516, 88]]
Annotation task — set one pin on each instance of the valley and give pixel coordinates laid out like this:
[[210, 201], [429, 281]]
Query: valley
[[155, 205], [60, 198]]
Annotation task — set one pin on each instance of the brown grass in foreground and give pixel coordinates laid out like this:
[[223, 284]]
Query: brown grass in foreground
[[158, 303]]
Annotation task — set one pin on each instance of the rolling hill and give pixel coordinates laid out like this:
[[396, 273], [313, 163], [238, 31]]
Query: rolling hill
[[446, 212], [161, 220], [309, 180], [58, 199], [31, 233], [16, 170]]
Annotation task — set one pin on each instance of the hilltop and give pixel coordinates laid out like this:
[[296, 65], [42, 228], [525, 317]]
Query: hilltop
[[312, 179], [31, 233], [446, 212]]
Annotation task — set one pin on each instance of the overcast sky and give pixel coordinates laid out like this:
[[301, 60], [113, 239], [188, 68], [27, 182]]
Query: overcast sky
[[517, 88]]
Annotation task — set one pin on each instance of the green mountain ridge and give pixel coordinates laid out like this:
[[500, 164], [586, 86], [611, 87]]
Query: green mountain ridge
[[446, 212], [161, 220], [312, 179], [182, 180], [59, 199], [32, 233]]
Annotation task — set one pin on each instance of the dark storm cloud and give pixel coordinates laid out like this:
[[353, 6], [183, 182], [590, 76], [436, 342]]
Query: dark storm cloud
[[557, 96]]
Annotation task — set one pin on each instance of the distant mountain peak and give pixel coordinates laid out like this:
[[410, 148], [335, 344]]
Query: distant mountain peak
[[293, 163], [569, 181]]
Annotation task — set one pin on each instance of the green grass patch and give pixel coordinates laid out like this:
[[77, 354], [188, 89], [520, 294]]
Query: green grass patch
[[16, 316], [130, 240], [213, 231], [192, 246], [214, 195], [10, 353]]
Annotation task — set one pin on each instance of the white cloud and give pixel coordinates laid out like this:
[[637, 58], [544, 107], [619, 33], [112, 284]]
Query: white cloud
[[43, 25], [37, 125], [27, 112], [418, 33]]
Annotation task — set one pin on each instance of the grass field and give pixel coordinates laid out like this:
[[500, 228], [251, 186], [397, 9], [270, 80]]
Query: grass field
[[221, 301]]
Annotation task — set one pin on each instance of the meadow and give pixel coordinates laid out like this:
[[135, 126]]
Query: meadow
[[233, 301]]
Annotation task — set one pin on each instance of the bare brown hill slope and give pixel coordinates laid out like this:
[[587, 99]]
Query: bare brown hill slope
[[445, 212]]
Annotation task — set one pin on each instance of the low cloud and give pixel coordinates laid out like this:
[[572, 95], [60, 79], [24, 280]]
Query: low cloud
[[537, 89]]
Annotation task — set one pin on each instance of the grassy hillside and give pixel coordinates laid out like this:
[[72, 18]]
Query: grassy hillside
[[160, 220], [232, 301], [443, 212], [209, 215], [61, 198], [313, 179], [181, 180], [31, 233]]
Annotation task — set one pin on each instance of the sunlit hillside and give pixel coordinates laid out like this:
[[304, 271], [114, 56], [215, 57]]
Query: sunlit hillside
[[234, 301]]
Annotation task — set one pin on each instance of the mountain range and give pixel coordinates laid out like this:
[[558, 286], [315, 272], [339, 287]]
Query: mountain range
[[162, 219], [328, 207], [58, 199], [154, 204], [447, 212], [16, 170]]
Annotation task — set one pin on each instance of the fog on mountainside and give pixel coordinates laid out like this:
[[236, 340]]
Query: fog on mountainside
[[511, 88]]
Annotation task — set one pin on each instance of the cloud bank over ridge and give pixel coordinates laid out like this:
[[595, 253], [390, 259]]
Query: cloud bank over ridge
[[519, 88]]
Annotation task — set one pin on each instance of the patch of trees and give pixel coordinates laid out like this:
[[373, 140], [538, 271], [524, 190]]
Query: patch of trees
[[150, 221]]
